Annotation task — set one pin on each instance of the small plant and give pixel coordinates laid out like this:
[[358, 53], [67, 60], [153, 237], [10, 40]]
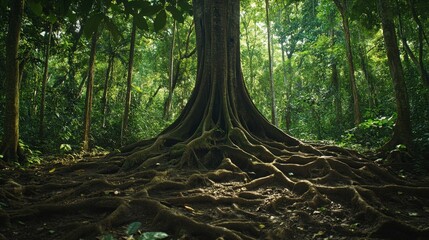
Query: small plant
[[65, 148], [133, 232]]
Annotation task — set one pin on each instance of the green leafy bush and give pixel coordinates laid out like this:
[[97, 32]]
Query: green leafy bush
[[370, 133]]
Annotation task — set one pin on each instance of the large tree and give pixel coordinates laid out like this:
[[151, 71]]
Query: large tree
[[220, 119]]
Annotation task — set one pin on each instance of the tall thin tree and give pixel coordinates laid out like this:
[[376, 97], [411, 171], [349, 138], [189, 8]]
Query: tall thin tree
[[124, 128], [402, 130], [89, 92], [10, 147], [342, 6], [44, 82], [270, 62]]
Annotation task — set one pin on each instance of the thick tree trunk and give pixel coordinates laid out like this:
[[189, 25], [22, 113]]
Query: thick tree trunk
[[10, 146], [44, 81], [124, 128], [342, 7], [219, 119], [89, 93], [270, 62], [402, 130]]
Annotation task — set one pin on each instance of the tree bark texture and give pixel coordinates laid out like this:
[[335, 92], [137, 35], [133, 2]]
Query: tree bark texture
[[402, 130], [10, 146], [219, 119], [89, 93]]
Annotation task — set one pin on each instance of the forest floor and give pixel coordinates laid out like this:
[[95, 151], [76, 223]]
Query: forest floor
[[90, 198]]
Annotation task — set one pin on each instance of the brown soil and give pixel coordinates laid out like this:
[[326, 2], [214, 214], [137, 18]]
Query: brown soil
[[299, 197]]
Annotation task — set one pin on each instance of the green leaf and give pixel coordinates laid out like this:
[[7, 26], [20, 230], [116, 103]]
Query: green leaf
[[112, 28], [150, 10], [153, 236], [160, 21], [133, 228], [108, 237], [92, 24], [141, 22], [177, 15], [36, 7]]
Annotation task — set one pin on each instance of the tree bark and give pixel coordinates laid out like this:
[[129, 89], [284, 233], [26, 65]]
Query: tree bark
[[219, 119], [342, 7], [10, 147], [124, 129], [270, 62], [106, 86], [44, 81], [402, 130], [89, 93]]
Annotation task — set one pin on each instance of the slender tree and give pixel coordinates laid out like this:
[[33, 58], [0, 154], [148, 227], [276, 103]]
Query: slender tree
[[270, 62], [167, 105], [127, 108], [89, 92], [44, 81], [402, 130], [10, 147], [342, 6]]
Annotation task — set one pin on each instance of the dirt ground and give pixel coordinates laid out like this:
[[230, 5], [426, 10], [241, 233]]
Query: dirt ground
[[92, 198]]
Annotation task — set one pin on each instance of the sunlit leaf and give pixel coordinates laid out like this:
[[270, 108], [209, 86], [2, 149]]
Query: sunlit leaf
[[52, 170], [133, 228], [108, 237], [153, 236]]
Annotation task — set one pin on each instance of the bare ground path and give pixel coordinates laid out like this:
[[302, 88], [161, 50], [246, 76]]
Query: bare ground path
[[302, 197]]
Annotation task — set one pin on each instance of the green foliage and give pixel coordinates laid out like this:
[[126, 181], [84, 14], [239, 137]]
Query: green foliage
[[133, 233], [371, 133]]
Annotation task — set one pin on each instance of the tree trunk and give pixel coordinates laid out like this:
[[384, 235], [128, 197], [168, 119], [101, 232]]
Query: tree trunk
[[106, 87], [288, 89], [424, 75], [270, 61], [219, 119], [89, 93], [336, 89], [342, 7], [10, 147], [124, 129], [44, 81], [167, 105], [402, 130]]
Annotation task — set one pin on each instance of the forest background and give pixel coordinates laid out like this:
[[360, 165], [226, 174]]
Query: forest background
[[312, 96]]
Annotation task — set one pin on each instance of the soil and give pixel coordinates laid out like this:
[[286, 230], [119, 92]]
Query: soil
[[330, 198]]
